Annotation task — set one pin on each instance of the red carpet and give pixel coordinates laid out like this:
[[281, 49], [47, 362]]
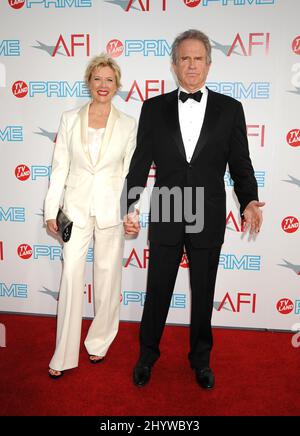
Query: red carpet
[[257, 373]]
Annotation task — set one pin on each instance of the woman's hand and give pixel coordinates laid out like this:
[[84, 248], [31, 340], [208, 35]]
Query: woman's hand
[[131, 223], [52, 226]]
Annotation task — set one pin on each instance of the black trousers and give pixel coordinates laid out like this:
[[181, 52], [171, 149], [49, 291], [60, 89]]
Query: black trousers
[[162, 272]]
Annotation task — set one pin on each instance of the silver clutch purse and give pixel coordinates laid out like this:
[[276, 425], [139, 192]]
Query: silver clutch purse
[[64, 225]]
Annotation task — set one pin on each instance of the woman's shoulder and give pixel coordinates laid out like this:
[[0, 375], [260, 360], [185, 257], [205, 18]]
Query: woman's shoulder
[[126, 118], [70, 113]]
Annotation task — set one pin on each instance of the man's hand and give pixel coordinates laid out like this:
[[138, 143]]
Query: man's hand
[[52, 226], [131, 223], [253, 216]]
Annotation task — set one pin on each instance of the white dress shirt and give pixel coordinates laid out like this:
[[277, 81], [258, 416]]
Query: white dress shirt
[[191, 116], [95, 137]]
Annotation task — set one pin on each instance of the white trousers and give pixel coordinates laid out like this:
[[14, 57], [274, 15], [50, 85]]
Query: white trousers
[[108, 253]]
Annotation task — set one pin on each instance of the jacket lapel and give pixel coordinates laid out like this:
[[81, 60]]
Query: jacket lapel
[[84, 123], [172, 120], [113, 117], [212, 113]]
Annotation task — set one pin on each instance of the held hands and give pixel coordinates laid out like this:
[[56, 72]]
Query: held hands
[[253, 216], [131, 223], [52, 226], [252, 220]]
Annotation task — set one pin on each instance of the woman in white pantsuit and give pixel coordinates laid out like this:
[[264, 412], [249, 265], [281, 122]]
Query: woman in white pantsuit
[[91, 158]]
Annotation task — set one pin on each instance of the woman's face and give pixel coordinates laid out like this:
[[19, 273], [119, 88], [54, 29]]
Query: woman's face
[[103, 84]]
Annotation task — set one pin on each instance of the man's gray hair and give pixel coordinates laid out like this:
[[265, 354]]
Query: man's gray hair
[[191, 34]]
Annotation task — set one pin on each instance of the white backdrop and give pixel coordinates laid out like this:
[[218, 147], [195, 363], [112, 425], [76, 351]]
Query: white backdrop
[[44, 49]]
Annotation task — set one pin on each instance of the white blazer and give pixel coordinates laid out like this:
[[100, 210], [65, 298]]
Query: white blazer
[[74, 173]]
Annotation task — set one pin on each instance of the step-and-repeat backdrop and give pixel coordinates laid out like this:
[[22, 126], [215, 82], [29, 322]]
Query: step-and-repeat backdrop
[[45, 46]]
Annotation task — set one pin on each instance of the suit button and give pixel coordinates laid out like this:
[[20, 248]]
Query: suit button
[[190, 166]]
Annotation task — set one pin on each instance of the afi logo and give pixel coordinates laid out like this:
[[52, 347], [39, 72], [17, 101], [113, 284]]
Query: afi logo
[[24, 251], [144, 4], [19, 89], [151, 175], [75, 40], [184, 261], [16, 4], [114, 48], [285, 306], [192, 3], [157, 87], [293, 138], [134, 260], [142, 262], [241, 298], [258, 131], [239, 226], [1, 250], [290, 224], [252, 40], [88, 291], [296, 45]]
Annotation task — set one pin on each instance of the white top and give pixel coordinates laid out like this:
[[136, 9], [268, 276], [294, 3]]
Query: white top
[[95, 138], [191, 116]]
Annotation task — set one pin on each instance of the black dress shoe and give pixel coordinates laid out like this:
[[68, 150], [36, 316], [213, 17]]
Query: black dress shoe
[[141, 374], [205, 378]]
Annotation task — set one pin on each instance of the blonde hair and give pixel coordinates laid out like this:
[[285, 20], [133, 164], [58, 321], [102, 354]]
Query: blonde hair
[[103, 60]]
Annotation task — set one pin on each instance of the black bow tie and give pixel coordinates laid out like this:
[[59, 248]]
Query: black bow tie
[[184, 96]]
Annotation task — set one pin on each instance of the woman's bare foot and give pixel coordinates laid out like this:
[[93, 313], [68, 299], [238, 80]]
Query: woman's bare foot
[[96, 359], [55, 374]]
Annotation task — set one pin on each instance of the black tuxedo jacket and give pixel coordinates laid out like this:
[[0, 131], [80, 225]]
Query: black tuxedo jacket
[[222, 141]]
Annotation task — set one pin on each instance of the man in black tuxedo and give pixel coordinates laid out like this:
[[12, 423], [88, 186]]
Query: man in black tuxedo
[[190, 134]]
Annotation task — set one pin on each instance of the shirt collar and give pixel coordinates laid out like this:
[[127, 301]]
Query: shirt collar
[[203, 90]]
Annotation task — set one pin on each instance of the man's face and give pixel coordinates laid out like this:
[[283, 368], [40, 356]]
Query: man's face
[[191, 68]]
